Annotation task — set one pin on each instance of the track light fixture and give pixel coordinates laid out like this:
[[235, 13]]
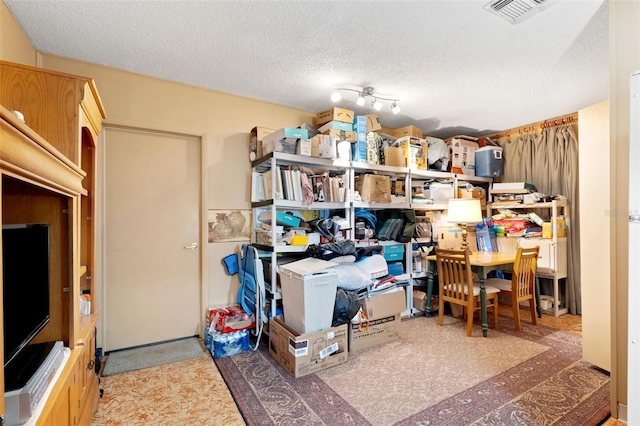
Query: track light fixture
[[362, 94]]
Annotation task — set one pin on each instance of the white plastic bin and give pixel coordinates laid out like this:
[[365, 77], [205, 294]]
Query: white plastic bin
[[308, 294]]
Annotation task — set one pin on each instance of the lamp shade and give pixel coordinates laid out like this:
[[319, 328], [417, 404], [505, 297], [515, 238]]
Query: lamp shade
[[464, 210]]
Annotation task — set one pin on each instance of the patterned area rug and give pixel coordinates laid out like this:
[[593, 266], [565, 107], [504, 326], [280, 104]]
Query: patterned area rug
[[433, 376]]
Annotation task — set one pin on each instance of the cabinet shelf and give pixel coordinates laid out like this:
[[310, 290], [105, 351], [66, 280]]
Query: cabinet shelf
[[552, 258]]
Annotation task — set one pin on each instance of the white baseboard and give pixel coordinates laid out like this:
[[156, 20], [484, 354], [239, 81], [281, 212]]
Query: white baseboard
[[622, 413]]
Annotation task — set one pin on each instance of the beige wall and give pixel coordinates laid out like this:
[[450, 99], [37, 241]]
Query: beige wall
[[14, 44], [595, 222], [624, 58]]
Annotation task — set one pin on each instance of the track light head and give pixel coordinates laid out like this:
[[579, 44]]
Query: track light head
[[362, 96]]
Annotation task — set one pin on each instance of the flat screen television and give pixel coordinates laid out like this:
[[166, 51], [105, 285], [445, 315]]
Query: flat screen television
[[25, 278]]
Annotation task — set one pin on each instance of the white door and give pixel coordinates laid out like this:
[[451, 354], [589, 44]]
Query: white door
[[152, 230]]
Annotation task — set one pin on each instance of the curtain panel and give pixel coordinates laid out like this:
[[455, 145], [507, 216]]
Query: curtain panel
[[549, 160]]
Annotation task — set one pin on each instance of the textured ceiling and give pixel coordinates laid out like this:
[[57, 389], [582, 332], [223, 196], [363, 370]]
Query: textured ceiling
[[456, 68]]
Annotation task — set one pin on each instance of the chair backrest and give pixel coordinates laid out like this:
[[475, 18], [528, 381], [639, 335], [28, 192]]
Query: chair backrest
[[454, 275], [524, 272]]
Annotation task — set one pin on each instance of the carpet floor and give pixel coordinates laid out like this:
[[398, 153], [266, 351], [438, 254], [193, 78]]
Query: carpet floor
[[151, 356], [432, 376], [192, 392]]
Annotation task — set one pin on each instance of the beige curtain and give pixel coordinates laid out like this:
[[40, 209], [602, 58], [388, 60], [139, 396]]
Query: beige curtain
[[549, 160]]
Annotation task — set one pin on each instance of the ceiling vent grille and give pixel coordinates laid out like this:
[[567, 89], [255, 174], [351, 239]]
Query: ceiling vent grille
[[516, 11]]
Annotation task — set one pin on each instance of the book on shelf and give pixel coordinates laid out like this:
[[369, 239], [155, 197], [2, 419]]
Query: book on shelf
[[278, 180], [268, 186], [297, 185], [257, 187], [269, 227]]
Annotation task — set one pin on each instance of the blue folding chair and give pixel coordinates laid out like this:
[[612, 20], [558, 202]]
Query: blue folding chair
[[251, 293]]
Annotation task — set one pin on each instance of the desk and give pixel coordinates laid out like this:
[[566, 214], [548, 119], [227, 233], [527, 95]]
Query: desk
[[482, 262]]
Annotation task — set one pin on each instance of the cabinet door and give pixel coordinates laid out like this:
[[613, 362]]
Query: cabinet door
[[546, 258]]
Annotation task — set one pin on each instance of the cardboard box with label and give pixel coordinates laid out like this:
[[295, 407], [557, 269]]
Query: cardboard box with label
[[415, 152], [463, 156], [342, 135], [374, 188], [303, 354], [337, 114], [373, 122], [384, 320], [450, 238]]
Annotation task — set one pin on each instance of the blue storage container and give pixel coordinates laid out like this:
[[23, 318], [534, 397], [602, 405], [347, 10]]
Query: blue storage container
[[489, 161]]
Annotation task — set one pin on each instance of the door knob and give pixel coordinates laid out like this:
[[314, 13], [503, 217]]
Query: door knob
[[191, 246]]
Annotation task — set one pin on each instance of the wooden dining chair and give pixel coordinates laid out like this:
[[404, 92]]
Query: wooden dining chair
[[456, 286], [521, 286]]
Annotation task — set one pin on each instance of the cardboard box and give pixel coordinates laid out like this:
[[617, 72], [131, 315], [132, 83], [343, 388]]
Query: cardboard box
[[385, 304], [325, 145], [342, 135], [420, 300], [308, 294], [303, 147], [394, 156], [374, 188], [479, 193], [337, 114], [255, 140], [413, 131], [308, 353], [336, 125], [373, 123], [463, 156], [286, 133], [415, 152], [451, 238], [384, 320], [380, 331]]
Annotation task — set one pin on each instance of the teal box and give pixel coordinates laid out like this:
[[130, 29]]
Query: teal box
[[393, 252], [336, 125], [287, 219], [393, 256]]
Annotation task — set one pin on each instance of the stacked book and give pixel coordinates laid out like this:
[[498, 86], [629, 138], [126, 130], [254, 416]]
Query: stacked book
[[510, 192]]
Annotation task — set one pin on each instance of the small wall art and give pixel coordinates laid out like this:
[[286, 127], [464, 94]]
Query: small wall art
[[229, 225]]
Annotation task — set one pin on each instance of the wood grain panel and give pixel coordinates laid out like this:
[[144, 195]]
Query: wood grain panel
[[49, 103]]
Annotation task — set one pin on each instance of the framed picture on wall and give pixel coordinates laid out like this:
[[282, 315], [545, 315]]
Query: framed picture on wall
[[229, 225]]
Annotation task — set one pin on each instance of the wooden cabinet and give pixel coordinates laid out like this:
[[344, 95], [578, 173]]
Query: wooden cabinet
[[48, 170]]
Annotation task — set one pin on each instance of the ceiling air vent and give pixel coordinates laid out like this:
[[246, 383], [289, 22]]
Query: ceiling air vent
[[516, 11]]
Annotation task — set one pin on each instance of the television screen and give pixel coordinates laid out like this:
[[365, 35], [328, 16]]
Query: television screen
[[25, 278]]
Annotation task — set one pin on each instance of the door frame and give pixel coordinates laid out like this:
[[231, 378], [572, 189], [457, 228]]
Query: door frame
[[100, 241]]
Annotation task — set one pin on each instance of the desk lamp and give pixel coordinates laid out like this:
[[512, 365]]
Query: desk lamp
[[464, 211]]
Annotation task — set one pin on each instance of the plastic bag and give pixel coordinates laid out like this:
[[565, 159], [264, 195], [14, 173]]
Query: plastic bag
[[346, 307]]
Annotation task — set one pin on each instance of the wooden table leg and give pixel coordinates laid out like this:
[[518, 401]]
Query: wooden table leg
[[537, 292], [482, 275], [430, 283]]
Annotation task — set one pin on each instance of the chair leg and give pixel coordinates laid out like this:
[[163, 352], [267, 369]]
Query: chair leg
[[441, 309], [532, 308], [495, 311], [469, 323], [516, 313]]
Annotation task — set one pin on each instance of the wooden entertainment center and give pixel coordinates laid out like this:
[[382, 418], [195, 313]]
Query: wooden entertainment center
[[48, 168]]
